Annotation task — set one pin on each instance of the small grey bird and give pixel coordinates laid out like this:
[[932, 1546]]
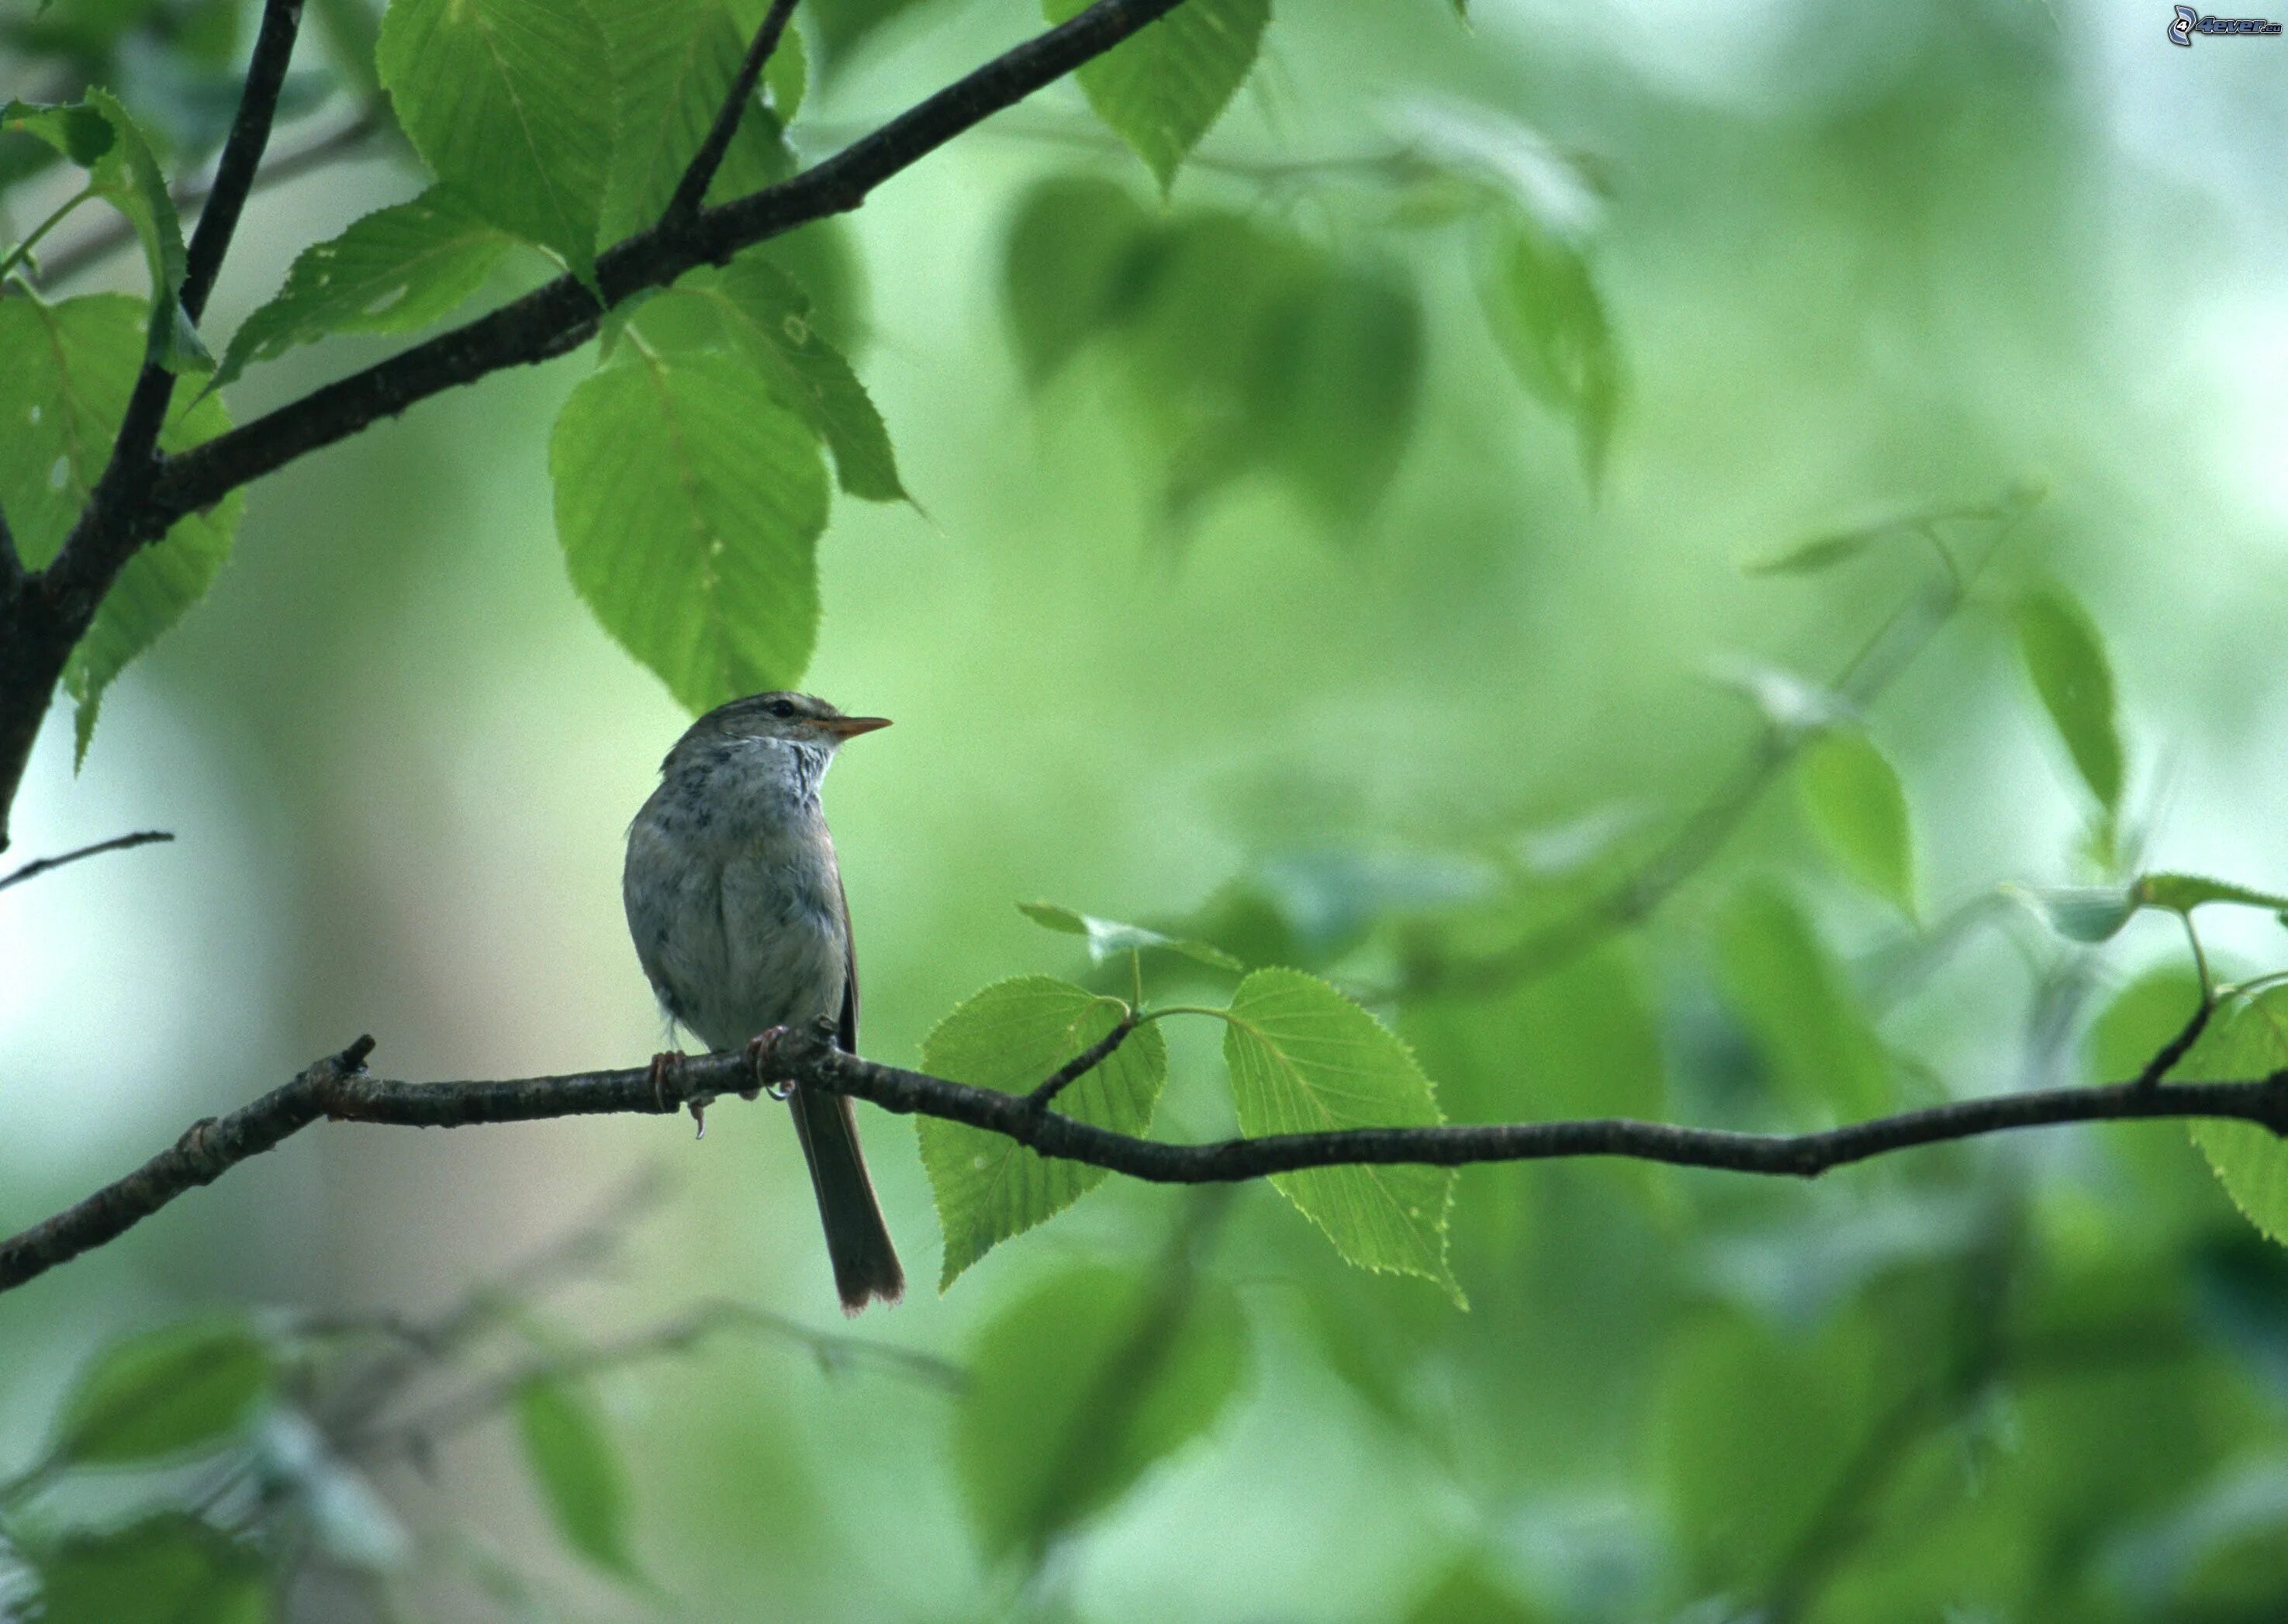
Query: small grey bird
[[740, 918]]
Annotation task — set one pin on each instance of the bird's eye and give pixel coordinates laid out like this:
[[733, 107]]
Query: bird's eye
[[781, 707]]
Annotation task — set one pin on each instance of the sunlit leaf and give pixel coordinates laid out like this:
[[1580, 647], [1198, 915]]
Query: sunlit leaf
[[71, 368], [2181, 893], [168, 1569], [1074, 265], [2066, 658], [185, 1387], [2245, 1041], [1081, 1386], [577, 1471], [2080, 912], [397, 268], [1305, 1059], [1011, 1037], [757, 309], [1111, 937], [509, 102], [690, 504], [1856, 805], [1542, 302], [1800, 1006], [1160, 88]]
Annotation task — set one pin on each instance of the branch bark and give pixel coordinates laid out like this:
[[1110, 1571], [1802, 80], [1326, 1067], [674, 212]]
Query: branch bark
[[119, 843], [336, 1089]]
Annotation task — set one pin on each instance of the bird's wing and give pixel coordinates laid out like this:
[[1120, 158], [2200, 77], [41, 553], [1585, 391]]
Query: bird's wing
[[846, 1028]]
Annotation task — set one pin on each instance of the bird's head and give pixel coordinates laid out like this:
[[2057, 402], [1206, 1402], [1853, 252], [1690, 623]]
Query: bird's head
[[801, 719]]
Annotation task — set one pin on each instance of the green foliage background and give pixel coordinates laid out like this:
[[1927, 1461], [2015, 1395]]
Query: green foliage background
[[1338, 562]]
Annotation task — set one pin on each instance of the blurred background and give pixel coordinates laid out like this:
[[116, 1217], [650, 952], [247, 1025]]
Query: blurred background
[[1365, 687]]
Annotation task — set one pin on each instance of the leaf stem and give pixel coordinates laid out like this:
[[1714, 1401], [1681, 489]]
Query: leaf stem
[[22, 250]]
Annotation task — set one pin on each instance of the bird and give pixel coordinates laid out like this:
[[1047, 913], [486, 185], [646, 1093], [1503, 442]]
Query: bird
[[739, 915]]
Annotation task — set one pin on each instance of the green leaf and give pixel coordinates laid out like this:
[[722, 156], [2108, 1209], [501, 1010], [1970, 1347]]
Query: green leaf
[[1856, 805], [577, 1472], [690, 504], [2247, 1040], [396, 269], [1799, 1005], [2066, 659], [2089, 914], [763, 315], [1111, 937], [1160, 88], [1073, 266], [1305, 1059], [170, 1567], [2181, 893], [786, 76], [1793, 707], [677, 60], [1011, 1037], [1541, 301], [1082, 1385], [187, 1386], [1911, 523], [509, 102], [71, 368], [79, 132], [1341, 366]]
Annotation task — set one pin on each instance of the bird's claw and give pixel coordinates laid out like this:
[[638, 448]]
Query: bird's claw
[[665, 1066], [760, 1049]]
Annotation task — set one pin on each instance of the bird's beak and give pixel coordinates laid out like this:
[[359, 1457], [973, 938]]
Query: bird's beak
[[850, 727]]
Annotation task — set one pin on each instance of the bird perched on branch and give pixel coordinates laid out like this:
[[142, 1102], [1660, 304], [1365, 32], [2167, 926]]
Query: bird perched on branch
[[739, 915]]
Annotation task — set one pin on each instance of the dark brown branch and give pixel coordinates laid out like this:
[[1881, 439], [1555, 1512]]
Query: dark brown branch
[[1082, 1063], [12, 562], [691, 191], [242, 152], [335, 1090], [122, 843], [2175, 1050]]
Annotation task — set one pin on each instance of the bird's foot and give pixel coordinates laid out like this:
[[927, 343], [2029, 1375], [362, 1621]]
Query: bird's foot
[[760, 1049], [666, 1066]]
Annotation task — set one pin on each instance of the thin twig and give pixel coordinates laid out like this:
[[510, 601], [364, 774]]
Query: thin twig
[[691, 191], [335, 1090], [121, 843], [2166, 1057], [242, 152], [1082, 1063]]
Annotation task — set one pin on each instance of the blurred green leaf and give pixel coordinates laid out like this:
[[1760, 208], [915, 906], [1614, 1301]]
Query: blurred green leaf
[[1857, 806], [675, 61], [2089, 914], [1082, 1385], [1160, 88], [2181, 893], [1305, 1059], [1011, 1037], [786, 76], [757, 310], [168, 1569], [396, 269], [577, 1471], [1800, 1006], [1541, 301], [71, 368], [187, 1386], [1340, 367], [1468, 1592], [1911, 523], [2247, 1040], [1076, 262], [1793, 707], [844, 24], [507, 101], [689, 503], [1111, 937], [2066, 658]]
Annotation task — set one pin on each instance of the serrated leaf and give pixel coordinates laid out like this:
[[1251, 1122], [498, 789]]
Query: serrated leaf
[[397, 268], [77, 130], [2066, 658], [2247, 1040], [2080, 912], [2181, 893], [1011, 1037], [577, 1471], [1305, 1059], [185, 1387], [510, 102], [1080, 1387], [690, 504], [168, 1567], [1160, 88], [1856, 805], [677, 60], [1800, 1007], [71, 368], [1072, 267], [1541, 301], [1111, 937], [764, 316]]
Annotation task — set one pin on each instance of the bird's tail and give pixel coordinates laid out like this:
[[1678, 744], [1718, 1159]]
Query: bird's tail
[[865, 1263]]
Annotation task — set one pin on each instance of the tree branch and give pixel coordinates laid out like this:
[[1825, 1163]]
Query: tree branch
[[691, 191], [242, 152], [121, 843], [336, 1089]]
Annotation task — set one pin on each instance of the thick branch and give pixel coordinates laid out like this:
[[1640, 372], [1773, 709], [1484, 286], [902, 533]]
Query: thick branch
[[691, 191], [242, 152], [334, 1088]]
